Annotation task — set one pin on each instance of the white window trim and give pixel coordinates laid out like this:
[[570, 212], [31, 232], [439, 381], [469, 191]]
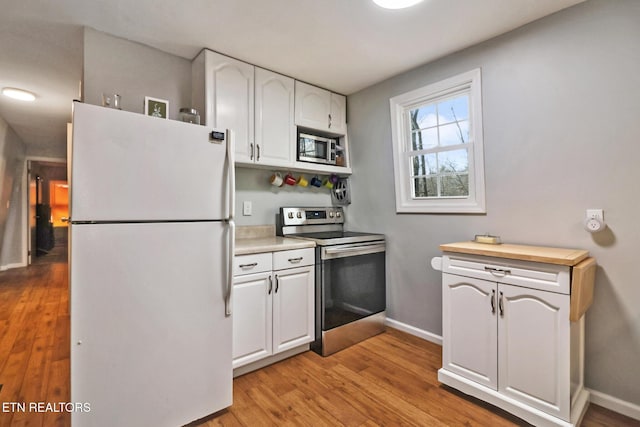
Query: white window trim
[[475, 203]]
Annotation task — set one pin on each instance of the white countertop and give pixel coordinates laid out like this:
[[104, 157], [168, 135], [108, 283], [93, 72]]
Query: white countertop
[[257, 239], [270, 244]]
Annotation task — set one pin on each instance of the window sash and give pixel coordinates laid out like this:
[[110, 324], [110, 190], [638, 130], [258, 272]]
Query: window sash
[[467, 84]]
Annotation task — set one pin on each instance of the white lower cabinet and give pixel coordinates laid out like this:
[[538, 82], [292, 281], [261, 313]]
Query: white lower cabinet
[[273, 311], [511, 345], [252, 313], [293, 308], [511, 339]]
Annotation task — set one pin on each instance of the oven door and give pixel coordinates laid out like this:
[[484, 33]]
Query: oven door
[[352, 282]]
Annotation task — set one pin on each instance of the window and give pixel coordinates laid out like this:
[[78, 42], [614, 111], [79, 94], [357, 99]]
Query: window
[[437, 141]]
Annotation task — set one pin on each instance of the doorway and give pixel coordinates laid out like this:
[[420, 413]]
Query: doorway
[[48, 211]]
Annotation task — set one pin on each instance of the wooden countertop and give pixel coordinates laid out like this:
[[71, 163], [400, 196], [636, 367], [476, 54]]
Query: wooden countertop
[[559, 256]]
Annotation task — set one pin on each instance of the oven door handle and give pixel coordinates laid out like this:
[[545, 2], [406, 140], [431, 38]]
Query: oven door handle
[[347, 251]]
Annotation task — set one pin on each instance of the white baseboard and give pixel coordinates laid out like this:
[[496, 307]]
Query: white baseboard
[[420, 333], [617, 405], [10, 266]]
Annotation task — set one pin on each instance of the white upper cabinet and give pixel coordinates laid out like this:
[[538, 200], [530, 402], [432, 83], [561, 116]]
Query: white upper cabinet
[[256, 104], [225, 87], [275, 131], [320, 109], [263, 110], [338, 114]]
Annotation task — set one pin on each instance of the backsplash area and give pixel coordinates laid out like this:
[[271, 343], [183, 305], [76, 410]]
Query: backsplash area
[[253, 185]]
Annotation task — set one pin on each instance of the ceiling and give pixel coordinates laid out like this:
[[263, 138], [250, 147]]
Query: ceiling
[[341, 45]]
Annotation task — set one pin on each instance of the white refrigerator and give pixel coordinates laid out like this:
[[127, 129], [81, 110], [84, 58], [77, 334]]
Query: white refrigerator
[[151, 249]]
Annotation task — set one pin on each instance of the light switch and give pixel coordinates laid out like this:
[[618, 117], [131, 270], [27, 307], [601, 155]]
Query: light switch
[[246, 208]]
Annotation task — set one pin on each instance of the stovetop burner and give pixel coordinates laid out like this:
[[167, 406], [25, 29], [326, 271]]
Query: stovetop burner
[[324, 238], [331, 234]]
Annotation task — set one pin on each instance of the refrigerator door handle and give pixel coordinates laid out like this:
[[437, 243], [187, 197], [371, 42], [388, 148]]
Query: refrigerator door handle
[[232, 250], [232, 175]]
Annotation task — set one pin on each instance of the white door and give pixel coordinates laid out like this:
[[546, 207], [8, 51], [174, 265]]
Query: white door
[[128, 167], [313, 106], [229, 98], [252, 311], [275, 129], [293, 309], [150, 343], [534, 344], [469, 329], [338, 114]]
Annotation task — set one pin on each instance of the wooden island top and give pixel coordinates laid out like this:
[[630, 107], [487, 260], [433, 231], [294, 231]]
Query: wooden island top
[[561, 256]]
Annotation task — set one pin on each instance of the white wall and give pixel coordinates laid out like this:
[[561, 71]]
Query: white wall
[[561, 132], [12, 154]]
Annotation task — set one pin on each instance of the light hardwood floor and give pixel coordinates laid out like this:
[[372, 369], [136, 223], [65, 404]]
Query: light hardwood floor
[[387, 380]]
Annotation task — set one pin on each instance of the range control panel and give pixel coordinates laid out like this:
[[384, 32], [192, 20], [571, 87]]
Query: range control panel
[[312, 216]]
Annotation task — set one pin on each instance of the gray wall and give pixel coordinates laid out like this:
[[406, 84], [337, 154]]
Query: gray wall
[[253, 185], [561, 131], [112, 64], [115, 65], [12, 154]]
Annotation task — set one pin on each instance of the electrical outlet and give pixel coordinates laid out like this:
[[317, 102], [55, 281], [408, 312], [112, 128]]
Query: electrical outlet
[[246, 208], [595, 214]]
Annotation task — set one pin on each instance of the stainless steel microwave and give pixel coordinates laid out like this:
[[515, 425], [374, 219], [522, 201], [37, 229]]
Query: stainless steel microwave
[[316, 149]]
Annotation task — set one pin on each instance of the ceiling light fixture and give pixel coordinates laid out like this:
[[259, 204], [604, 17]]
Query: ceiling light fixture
[[396, 4], [20, 94]]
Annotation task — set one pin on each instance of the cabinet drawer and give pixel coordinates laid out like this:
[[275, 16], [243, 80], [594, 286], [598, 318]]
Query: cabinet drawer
[[253, 263], [534, 275], [293, 258]]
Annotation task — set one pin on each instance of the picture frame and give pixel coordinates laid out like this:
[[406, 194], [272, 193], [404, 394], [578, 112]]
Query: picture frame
[[156, 107]]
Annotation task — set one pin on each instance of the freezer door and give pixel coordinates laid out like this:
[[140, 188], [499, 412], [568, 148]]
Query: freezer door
[[150, 342], [131, 167]]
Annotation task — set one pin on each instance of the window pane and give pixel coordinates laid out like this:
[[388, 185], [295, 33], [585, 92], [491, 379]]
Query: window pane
[[423, 117], [454, 133], [424, 165], [425, 187], [425, 139], [454, 185], [453, 161], [453, 109]]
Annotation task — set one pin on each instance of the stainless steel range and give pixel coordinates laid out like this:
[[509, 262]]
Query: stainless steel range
[[350, 276]]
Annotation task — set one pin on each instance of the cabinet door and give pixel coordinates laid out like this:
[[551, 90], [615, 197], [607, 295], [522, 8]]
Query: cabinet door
[[534, 344], [469, 329], [229, 100], [275, 135], [252, 312], [293, 313], [313, 106], [338, 114]]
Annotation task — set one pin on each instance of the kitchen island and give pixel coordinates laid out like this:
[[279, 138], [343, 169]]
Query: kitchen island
[[513, 327]]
